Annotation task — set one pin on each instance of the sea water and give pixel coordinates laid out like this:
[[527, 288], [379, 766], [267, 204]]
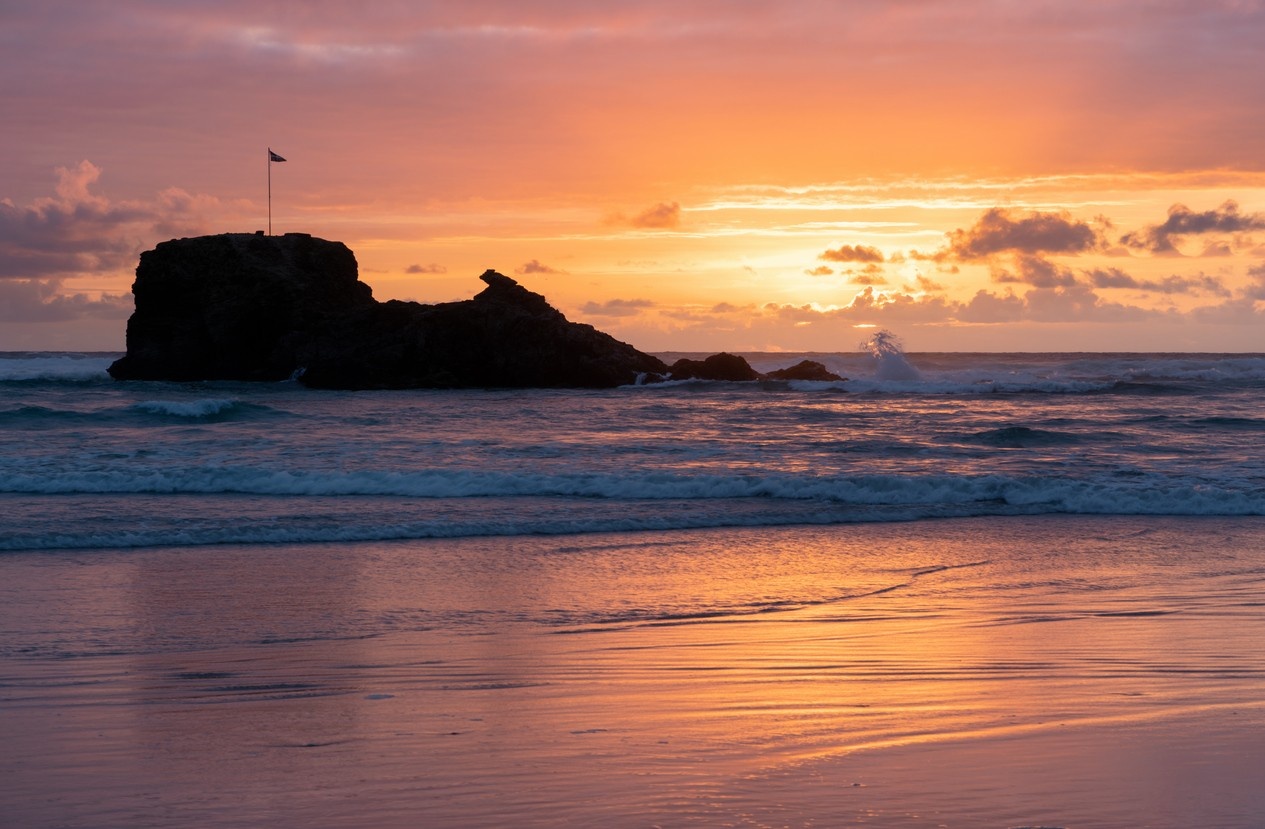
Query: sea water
[[951, 590], [89, 463]]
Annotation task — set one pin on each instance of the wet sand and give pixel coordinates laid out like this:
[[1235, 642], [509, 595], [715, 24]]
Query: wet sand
[[1076, 672]]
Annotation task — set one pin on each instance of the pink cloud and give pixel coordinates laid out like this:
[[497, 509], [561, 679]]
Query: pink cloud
[[1001, 230], [1183, 222], [535, 266], [36, 300], [662, 215], [1117, 278], [75, 232], [617, 307]]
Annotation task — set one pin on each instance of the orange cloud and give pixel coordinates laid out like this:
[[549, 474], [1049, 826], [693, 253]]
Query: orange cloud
[[852, 253], [662, 215]]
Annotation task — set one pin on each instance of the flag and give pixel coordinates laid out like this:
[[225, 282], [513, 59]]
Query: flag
[[273, 156]]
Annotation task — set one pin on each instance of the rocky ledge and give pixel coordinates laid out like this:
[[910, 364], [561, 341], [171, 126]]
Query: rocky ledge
[[240, 306]]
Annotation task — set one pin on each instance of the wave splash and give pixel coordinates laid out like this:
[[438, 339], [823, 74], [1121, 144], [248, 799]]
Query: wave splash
[[889, 356]]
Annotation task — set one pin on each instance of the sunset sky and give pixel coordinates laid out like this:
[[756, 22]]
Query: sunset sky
[[686, 175]]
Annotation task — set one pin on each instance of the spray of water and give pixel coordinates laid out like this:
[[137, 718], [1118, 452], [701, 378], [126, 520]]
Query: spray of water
[[889, 357]]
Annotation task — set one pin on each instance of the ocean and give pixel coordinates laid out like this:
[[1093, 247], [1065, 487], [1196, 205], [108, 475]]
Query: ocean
[[89, 463], [950, 590]]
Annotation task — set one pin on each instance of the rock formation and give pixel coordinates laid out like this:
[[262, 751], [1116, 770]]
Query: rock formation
[[721, 366], [735, 369], [251, 307], [241, 306], [804, 370], [236, 306]]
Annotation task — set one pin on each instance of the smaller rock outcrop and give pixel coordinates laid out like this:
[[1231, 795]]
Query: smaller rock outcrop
[[722, 366], [804, 370], [732, 368]]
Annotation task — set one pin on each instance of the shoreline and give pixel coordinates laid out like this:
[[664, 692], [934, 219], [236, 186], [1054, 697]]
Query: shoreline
[[959, 672]]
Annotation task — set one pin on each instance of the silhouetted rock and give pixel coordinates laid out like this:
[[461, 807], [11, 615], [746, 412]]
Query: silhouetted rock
[[506, 336], [721, 366], [804, 370], [252, 307], [235, 306]]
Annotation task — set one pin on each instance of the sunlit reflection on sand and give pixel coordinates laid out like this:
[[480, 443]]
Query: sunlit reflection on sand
[[1054, 672]]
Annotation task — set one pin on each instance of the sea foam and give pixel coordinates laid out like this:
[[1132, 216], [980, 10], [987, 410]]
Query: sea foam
[[1139, 495], [187, 408], [54, 367]]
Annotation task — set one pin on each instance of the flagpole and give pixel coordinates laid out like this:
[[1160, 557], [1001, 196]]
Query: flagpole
[[271, 158]]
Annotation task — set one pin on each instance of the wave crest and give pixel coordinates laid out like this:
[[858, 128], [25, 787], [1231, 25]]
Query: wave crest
[[25, 367], [197, 409]]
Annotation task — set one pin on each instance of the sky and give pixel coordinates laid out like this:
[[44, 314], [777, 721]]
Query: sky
[[687, 175]]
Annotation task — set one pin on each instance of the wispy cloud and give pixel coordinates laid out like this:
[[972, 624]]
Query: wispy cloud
[[1255, 290], [1117, 278], [535, 266], [426, 269], [662, 215], [617, 307]]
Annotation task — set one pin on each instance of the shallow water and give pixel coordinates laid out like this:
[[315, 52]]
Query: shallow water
[[1026, 671]]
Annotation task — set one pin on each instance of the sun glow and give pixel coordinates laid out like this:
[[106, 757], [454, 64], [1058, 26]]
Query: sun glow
[[608, 159]]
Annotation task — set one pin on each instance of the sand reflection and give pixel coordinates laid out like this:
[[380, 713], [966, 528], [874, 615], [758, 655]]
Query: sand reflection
[[1035, 672]]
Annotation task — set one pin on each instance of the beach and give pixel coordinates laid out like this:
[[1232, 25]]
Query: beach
[[955, 590], [1028, 671]]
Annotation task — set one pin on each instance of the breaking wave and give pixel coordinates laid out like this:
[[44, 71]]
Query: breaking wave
[[394, 507], [889, 357], [46, 367], [1143, 495]]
